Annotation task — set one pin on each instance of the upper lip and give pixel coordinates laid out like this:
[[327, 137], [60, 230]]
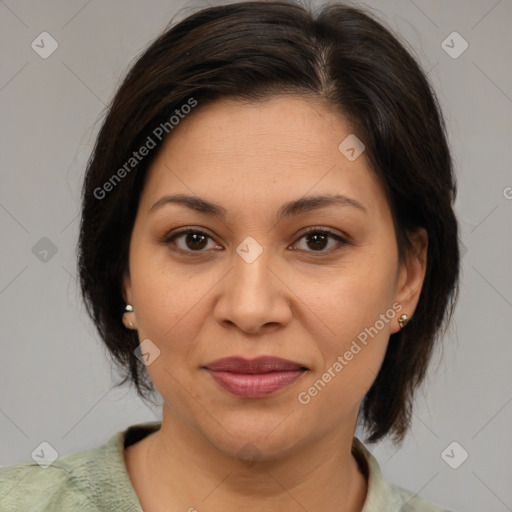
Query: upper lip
[[264, 364]]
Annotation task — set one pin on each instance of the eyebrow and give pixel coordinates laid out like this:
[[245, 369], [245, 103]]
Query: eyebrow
[[289, 209]]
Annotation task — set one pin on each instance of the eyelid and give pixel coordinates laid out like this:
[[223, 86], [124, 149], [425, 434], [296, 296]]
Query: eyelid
[[329, 231]]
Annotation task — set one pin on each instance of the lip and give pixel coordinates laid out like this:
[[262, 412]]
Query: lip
[[255, 378]]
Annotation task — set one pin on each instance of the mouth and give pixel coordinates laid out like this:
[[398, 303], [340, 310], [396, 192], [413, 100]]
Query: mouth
[[256, 378]]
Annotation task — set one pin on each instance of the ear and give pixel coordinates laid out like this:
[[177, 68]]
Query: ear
[[412, 274], [126, 292], [129, 318]]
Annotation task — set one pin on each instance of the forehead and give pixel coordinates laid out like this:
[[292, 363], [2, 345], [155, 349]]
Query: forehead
[[288, 126], [267, 151]]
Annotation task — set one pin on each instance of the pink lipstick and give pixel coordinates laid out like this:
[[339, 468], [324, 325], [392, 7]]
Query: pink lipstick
[[256, 378]]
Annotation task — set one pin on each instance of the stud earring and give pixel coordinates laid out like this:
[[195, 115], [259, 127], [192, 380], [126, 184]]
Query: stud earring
[[128, 309], [403, 320]]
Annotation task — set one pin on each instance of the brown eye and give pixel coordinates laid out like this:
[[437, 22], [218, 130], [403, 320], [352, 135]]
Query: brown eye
[[191, 240], [195, 241], [318, 239]]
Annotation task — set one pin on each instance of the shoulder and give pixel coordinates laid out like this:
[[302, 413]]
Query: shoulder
[[59, 486], [407, 501], [89, 481]]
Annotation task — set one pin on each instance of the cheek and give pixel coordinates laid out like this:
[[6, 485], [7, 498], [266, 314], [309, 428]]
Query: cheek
[[351, 298], [357, 315], [167, 296], [351, 357], [168, 306], [170, 314]]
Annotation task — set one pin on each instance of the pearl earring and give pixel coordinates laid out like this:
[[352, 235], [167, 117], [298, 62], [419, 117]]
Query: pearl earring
[[128, 309]]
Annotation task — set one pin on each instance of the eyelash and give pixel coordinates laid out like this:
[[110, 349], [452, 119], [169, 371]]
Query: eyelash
[[169, 239]]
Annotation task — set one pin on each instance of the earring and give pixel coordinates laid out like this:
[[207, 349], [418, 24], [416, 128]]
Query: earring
[[128, 309], [403, 321]]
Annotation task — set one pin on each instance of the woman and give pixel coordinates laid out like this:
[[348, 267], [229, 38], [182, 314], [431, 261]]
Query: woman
[[268, 240]]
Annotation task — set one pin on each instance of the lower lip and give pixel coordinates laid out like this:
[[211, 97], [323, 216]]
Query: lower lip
[[255, 385]]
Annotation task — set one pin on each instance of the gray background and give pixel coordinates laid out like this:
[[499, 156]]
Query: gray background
[[56, 383]]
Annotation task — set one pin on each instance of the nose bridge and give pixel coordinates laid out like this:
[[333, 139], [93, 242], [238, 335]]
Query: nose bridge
[[252, 295], [251, 273]]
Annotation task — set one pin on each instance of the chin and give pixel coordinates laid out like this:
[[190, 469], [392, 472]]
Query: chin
[[251, 435]]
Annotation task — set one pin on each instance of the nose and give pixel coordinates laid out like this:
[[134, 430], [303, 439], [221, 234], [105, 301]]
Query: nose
[[253, 295]]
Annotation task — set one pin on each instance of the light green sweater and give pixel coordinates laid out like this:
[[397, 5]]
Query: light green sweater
[[97, 480]]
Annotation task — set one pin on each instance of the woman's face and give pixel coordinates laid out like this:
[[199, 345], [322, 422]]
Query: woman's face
[[253, 283]]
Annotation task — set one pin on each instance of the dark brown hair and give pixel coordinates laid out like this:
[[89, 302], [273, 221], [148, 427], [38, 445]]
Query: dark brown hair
[[254, 50]]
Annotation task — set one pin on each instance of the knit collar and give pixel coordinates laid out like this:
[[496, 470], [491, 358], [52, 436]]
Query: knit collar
[[379, 493]]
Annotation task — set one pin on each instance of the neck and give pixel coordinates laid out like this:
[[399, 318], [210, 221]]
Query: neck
[[189, 471]]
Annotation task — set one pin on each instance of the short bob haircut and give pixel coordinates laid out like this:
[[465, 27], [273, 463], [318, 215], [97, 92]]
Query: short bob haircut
[[252, 51]]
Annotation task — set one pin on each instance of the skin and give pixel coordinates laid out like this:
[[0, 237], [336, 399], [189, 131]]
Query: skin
[[293, 302]]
